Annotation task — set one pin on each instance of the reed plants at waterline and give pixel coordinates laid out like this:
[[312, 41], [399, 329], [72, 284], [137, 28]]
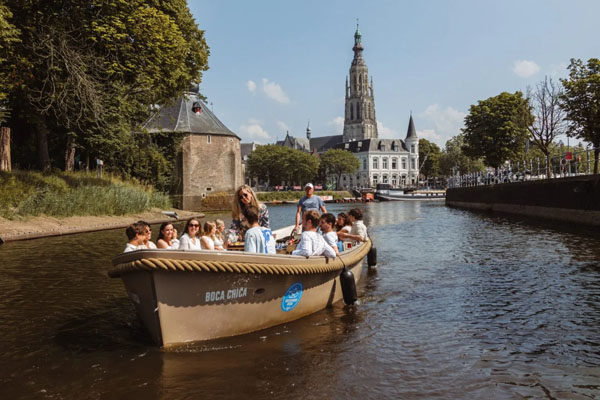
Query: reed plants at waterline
[[28, 193]]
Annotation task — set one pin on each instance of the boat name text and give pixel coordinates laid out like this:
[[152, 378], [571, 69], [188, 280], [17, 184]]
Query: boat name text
[[231, 294]]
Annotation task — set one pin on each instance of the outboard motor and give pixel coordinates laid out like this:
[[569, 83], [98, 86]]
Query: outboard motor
[[372, 257], [348, 286]]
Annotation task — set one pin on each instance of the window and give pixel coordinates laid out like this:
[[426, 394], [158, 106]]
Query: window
[[404, 163], [375, 163], [351, 111], [384, 164], [365, 164], [412, 163], [412, 148], [208, 139], [383, 147], [375, 179], [394, 163], [394, 180], [385, 179]]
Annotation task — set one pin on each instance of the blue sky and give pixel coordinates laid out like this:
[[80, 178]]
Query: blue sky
[[274, 65]]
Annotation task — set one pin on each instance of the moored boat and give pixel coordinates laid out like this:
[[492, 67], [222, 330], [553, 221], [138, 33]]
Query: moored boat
[[388, 193], [183, 295]]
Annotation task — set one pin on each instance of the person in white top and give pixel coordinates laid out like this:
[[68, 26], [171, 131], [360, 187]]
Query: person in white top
[[311, 243], [359, 230], [326, 223], [207, 241], [135, 233], [219, 239], [190, 239], [342, 226], [258, 239], [147, 242], [167, 237]]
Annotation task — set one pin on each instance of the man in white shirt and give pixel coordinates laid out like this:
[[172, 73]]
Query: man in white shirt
[[136, 234], [311, 243], [326, 224], [359, 230]]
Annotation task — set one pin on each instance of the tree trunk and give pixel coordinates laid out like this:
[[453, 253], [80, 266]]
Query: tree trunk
[[70, 155], [596, 153], [548, 172], [42, 146], [5, 149]]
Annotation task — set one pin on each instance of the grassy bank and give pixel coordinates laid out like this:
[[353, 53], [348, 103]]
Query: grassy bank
[[297, 195], [60, 194]]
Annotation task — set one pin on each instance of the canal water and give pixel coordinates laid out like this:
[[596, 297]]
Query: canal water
[[462, 305]]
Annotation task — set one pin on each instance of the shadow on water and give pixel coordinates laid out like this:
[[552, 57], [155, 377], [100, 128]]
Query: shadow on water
[[105, 327]]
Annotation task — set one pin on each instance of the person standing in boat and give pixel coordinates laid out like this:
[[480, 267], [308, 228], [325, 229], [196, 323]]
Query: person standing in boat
[[258, 239], [167, 237], [311, 243], [190, 240], [243, 198], [309, 202]]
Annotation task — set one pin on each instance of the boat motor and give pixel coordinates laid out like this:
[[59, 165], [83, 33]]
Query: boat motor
[[348, 286]]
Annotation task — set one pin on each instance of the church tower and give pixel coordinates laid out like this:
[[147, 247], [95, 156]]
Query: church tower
[[359, 121]]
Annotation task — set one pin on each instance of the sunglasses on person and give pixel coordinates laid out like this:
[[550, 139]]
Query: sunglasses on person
[[194, 225], [242, 195]]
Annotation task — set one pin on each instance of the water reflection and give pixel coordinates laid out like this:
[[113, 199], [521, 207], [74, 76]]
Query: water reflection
[[463, 305]]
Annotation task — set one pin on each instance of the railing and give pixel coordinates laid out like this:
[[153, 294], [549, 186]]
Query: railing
[[579, 163]]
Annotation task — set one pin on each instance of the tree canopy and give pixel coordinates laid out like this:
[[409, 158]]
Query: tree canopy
[[277, 164], [338, 162], [454, 161], [88, 74], [429, 156], [581, 101], [496, 128]]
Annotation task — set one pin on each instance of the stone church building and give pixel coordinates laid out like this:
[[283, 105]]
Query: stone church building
[[209, 160], [393, 161]]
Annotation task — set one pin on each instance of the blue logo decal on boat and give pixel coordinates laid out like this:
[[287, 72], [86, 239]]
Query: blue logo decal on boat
[[291, 297]]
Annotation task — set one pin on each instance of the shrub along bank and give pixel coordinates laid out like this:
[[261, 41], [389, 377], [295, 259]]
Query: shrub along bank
[[62, 194]]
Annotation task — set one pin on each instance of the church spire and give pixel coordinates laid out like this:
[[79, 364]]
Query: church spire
[[360, 122]]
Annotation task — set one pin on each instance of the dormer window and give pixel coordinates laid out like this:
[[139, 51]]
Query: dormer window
[[383, 147]]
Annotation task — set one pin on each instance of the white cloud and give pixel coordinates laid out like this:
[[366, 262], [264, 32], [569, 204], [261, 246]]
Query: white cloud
[[439, 124], [338, 125], [251, 86], [275, 92], [386, 133], [255, 131], [283, 126], [525, 68]]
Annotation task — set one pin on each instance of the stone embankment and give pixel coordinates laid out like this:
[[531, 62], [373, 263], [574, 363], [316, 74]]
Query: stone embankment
[[572, 199]]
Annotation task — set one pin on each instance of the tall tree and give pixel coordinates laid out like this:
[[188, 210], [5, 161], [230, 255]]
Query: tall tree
[[9, 38], [581, 101], [429, 155], [338, 162], [454, 161], [549, 117], [496, 128]]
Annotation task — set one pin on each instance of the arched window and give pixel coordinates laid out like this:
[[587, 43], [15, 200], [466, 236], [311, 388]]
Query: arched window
[[384, 164], [358, 111], [375, 163], [351, 111]]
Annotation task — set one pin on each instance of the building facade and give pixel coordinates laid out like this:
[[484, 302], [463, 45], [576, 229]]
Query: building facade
[[393, 161], [209, 160]]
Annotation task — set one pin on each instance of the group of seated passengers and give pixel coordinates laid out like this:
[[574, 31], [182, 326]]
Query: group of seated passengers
[[194, 238]]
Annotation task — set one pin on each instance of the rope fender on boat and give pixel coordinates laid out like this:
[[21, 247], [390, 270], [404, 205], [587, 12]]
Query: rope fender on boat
[[169, 264]]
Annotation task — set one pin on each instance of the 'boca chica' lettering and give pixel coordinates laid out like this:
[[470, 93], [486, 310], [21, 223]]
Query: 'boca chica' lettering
[[231, 294]]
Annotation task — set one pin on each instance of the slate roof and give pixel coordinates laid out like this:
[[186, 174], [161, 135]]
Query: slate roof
[[373, 145], [179, 117], [247, 148], [411, 132], [324, 143]]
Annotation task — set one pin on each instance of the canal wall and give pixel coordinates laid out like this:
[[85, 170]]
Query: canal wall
[[572, 199]]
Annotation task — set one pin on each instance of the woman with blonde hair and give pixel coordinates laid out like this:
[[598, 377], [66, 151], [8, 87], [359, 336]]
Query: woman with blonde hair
[[207, 241], [219, 240], [244, 196]]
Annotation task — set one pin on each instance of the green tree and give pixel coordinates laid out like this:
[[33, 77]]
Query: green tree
[[581, 101], [9, 38], [454, 161], [496, 128], [300, 167], [276, 164], [429, 156], [338, 162]]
